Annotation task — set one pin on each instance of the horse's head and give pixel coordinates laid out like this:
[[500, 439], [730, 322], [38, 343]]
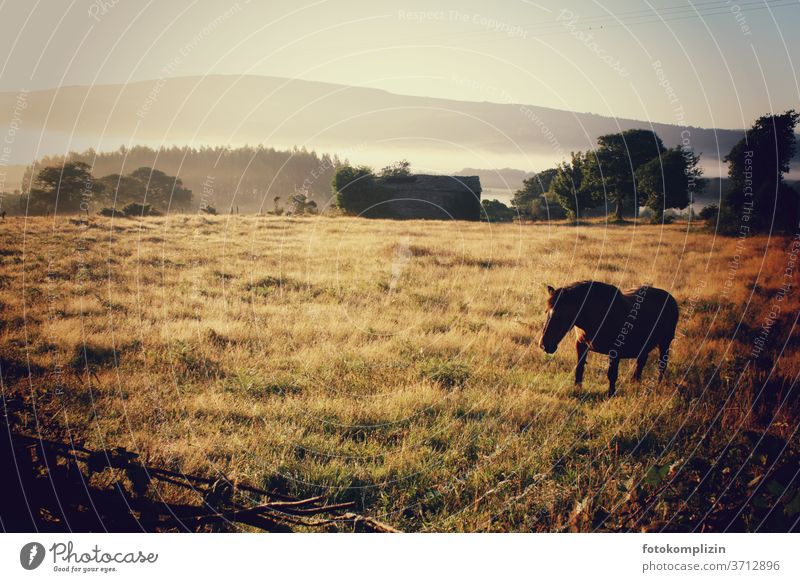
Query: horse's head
[[560, 319]]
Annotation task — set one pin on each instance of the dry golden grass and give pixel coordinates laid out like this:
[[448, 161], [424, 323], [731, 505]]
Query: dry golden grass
[[394, 363]]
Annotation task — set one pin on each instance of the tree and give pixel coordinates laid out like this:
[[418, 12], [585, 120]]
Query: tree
[[357, 191], [756, 165], [570, 186], [147, 186], [119, 189], [668, 180], [68, 188], [162, 191], [547, 207], [532, 189], [617, 158]]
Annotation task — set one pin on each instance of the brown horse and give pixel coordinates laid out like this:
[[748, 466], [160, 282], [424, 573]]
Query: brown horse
[[608, 321]]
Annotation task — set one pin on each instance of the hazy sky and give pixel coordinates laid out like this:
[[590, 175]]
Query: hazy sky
[[707, 63]]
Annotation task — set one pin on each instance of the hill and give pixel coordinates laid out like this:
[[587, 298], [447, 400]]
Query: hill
[[365, 124]]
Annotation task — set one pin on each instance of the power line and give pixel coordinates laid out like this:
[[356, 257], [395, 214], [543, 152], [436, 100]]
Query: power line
[[672, 18], [689, 9], [697, 10]]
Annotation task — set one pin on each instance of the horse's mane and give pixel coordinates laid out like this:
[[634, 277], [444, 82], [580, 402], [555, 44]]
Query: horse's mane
[[576, 292]]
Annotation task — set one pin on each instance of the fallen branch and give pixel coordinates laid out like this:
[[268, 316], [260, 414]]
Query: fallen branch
[[280, 513]]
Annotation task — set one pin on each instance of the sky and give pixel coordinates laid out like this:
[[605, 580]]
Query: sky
[[703, 63]]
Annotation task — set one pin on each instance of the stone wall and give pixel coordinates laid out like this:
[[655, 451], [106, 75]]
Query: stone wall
[[434, 197]]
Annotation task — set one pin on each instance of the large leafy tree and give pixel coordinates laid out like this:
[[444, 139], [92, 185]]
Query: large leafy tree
[[617, 158], [570, 185], [668, 180], [756, 165], [147, 186], [67, 188], [163, 192], [121, 189]]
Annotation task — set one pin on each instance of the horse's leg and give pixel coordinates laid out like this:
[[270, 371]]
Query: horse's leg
[[583, 352], [640, 362], [613, 372], [663, 359]]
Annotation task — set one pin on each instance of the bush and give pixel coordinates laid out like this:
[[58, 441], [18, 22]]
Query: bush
[[496, 211], [709, 213], [136, 209], [668, 217], [357, 191], [300, 203], [533, 188]]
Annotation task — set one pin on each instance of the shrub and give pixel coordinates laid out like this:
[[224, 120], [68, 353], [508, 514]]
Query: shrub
[[300, 203], [496, 211], [709, 213], [357, 191], [532, 189], [136, 209]]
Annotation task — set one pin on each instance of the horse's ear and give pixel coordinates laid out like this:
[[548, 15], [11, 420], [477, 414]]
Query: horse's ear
[[550, 290]]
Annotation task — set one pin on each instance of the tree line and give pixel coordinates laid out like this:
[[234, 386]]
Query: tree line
[[626, 170], [634, 168], [253, 178], [70, 188]]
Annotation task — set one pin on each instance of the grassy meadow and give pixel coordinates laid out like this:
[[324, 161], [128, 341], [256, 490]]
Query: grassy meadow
[[396, 363]]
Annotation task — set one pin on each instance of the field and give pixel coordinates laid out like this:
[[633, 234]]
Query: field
[[396, 364]]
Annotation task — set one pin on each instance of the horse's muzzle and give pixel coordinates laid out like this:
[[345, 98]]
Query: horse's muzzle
[[547, 349]]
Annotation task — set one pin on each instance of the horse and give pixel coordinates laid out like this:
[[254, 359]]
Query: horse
[[612, 322]]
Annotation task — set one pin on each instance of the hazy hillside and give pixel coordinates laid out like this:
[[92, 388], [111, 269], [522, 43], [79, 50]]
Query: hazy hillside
[[366, 125]]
